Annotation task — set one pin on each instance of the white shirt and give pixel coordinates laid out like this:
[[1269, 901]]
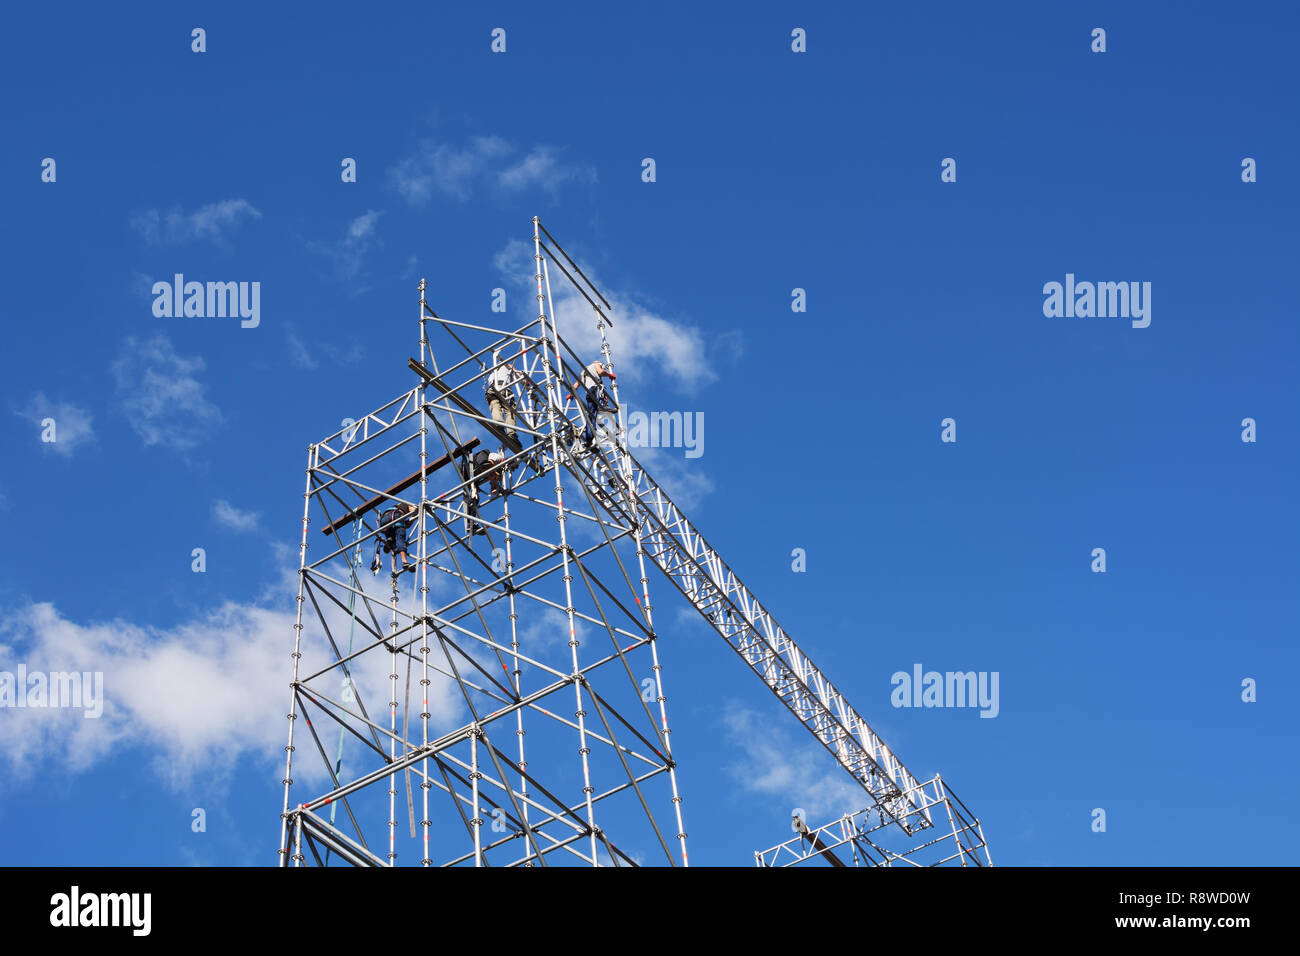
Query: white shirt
[[590, 377], [502, 376]]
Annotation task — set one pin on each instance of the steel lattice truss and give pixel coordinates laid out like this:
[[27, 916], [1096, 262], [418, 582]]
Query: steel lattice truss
[[867, 838], [504, 703], [712, 587]]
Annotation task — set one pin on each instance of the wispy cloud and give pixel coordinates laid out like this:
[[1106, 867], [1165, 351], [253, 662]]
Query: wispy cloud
[[362, 229], [215, 221], [227, 515], [445, 169], [311, 356], [685, 480], [161, 395], [347, 253], [796, 772], [456, 172], [548, 628], [542, 167], [71, 425], [299, 354]]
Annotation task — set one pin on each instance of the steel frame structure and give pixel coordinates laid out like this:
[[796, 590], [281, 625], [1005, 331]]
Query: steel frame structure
[[551, 627], [864, 837]]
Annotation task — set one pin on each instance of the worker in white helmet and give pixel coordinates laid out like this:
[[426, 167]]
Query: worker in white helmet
[[499, 388], [589, 387], [483, 467], [393, 537]]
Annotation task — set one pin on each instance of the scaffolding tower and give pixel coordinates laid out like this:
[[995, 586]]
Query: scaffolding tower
[[526, 614]]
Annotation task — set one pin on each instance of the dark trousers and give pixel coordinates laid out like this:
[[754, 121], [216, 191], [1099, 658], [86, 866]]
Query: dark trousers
[[592, 401]]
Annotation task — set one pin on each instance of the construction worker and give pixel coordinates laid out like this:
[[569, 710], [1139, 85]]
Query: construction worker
[[393, 537], [590, 388], [483, 466], [500, 392]]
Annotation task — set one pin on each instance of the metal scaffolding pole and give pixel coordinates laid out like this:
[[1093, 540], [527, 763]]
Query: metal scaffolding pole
[[296, 656]]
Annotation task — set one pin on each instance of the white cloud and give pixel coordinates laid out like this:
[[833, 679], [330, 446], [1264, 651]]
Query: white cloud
[[543, 168], [641, 336], [643, 342], [445, 168], [797, 771], [213, 221], [141, 284], [197, 696], [161, 395], [361, 228], [224, 513], [72, 425], [545, 628], [347, 253], [301, 356], [204, 691], [457, 172], [684, 480]]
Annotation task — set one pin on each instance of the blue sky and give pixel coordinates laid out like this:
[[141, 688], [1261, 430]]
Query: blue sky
[[775, 170]]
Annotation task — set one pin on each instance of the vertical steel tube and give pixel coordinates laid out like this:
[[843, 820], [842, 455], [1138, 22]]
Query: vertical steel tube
[[625, 462], [296, 656], [476, 822], [517, 673], [392, 739], [421, 573], [553, 387]]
